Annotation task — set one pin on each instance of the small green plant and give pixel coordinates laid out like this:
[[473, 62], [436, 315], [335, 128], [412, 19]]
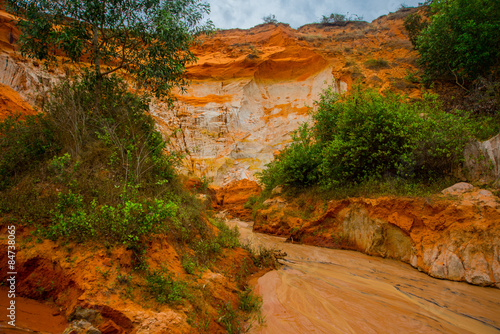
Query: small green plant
[[165, 288], [250, 202], [189, 264], [59, 164], [229, 318], [104, 272], [412, 77], [249, 302], [376, 64], [262, 257], [124, 279], [227, 237]]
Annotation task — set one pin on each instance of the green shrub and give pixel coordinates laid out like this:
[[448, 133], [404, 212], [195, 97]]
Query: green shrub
[[414, 24], [130, 222], [111, 115], [295, 166], [368, 136], [227, 237], [229, 318], [165, 288], [24, 143], [377, 136], [376, 64], [461, 41], [249, 302]]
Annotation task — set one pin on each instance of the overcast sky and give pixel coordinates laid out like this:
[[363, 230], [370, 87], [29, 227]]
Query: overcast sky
[[245, 14]]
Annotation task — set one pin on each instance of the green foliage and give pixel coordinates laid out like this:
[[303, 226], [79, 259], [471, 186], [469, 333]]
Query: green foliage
[[367, 136], [271, 18], [249, 302], [252, 200], [227, 237], [295, 166], [189, 264], [149, 39], [207, 249], [376, 64], [262, 257], [130, 222], [340, 19], [229, 318], [24, 143], [119, 122], [165, 288], [414, 24], [461, 42]]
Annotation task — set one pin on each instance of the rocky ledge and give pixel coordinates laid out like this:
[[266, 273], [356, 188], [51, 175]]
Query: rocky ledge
[[454, 236]]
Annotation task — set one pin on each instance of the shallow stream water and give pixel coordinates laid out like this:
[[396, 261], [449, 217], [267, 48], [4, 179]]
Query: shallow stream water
[[320, 290]]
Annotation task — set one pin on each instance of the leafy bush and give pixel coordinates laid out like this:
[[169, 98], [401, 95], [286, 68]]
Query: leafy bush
[[165, 288], [461, 41], [131, 222], [113, 116], [377, 136], [414, 24], [295, 166], [24, 143], [366, 136]]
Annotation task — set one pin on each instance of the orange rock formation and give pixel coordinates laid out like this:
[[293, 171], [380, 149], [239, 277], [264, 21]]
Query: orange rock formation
[[252, 88], [454, 236]]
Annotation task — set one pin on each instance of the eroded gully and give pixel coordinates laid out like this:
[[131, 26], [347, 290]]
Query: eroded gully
[[320, 290]]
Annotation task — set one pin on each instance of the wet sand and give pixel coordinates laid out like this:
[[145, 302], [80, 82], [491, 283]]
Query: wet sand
[[321, 290], [31, 316]]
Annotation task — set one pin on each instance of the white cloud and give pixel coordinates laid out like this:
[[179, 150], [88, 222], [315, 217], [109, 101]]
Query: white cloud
[[246, 14]]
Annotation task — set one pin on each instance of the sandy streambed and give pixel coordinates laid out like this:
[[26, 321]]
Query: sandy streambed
[[321, 290]]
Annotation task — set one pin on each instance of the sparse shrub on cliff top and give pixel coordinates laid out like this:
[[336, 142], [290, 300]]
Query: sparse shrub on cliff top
[[339, 19], [271, 18]]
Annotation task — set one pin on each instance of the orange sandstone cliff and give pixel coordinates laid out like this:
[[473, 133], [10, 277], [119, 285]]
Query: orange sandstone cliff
[[250, 89]]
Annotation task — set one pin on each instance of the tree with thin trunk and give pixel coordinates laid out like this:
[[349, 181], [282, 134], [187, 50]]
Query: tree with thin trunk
[[148, 39]]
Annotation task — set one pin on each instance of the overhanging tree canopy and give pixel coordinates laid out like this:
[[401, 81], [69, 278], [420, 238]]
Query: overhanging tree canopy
[[149, 39]]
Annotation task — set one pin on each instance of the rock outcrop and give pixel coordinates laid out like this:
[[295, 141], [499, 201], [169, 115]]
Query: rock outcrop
[[233, 197], [482, 162], [454, 236]]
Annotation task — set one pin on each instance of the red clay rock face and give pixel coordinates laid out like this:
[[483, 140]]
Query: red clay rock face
[[455, 238], [92, 277], [232, 198]]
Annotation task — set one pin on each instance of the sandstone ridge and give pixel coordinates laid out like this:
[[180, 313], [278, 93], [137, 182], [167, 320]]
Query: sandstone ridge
[[454, 236]]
